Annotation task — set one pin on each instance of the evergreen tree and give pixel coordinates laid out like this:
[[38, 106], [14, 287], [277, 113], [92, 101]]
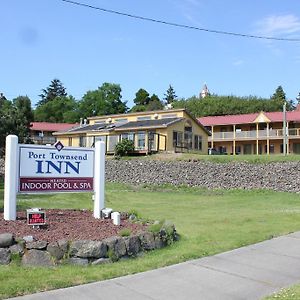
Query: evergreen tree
[[170, 95], [141, 97], [55, 89]]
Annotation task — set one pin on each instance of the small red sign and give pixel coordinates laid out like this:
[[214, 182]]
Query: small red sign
[[36, 218]]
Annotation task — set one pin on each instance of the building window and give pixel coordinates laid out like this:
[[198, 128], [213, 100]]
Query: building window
[[248, 149], [122, 120], [69, 141], [144, 118], [177, 138], [296, 148], [188, 137], [198, 142], [168, 116], [82, 141], [127, 135], [272, 148], [141, 140]]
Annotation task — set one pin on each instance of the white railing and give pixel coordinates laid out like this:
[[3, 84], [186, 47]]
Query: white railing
[[253, 134]]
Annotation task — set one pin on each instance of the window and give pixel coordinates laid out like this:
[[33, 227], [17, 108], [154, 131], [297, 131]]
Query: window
[[177, 138], [141, 140], [248, 149], [198, 142], [128, 136], [144, 118], [82, 141], [122, 120], [188, 137], [69, 141], [168, 116]]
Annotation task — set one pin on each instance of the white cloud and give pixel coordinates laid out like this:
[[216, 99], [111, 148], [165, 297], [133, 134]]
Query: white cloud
[[278, 25]]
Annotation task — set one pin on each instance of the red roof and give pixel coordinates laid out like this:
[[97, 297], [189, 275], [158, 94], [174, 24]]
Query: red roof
[[46, 126], [248, 118]]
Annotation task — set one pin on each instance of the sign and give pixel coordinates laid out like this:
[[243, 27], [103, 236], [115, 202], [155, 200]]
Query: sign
[[47, 169], [36, 169], [36, 217]]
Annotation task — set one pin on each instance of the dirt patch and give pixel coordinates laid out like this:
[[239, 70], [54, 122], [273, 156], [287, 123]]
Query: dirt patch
[[68, 224]]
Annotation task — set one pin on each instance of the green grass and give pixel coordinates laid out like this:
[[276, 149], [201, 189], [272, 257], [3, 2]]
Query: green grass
[[287, 294], [209, 222], [224, 158]]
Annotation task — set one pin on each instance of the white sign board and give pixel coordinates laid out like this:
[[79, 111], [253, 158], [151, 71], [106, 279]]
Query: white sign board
[[45, 169], [36, 169]]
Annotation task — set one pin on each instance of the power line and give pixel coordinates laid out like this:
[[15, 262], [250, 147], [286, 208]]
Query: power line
[[179, 25]]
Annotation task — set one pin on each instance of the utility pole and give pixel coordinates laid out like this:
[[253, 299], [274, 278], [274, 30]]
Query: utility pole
[[284, 130]]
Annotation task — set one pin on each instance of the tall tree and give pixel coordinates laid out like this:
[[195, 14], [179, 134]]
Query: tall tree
[[141, 97], [279, 98], [170, 95], [54, 90], [59, 110], [154, 103], [103, 101], [23, 116]]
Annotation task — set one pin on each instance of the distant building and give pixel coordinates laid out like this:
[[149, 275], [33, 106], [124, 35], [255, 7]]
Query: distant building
[[41, 132], [173, 130], [205, 92], [256, 133]]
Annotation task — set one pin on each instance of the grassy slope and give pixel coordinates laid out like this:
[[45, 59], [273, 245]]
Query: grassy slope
[[208, 222]]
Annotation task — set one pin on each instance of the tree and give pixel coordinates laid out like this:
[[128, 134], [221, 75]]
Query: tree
[[170, 95], [154, 103], [23, 116], [58, 110], [279, 98], [105, 100], [54, 90], [141, 97]]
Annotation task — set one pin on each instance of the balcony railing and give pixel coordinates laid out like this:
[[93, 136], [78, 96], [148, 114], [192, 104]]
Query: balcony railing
[[253, 134]]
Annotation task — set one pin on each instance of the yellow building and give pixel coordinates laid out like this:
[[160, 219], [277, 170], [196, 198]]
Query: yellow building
[[172, 130], [257, 133]]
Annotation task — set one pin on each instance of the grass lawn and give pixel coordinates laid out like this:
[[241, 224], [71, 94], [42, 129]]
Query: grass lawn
[[224, 158], [209, 222], [287, 294]]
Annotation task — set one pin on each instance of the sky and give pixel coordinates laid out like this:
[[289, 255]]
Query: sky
[[45, 39]]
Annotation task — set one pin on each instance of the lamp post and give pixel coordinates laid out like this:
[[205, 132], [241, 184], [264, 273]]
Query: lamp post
[[284, 130]]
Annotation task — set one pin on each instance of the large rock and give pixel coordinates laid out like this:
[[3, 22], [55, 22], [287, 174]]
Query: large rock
[[147, 241], [58, 249], [78, 261], [6, 240], [17, 249], [4, 256], [35, 257], [88, 249], [133, 245], [39, 245], [116, 246]]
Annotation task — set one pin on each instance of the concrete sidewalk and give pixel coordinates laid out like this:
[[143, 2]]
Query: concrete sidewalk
[[250, 272]]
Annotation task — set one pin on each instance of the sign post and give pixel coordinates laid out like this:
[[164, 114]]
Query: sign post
[[48, 169], [11, 178]]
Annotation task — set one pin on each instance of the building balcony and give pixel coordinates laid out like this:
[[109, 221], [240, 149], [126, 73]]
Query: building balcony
[[253, 135]]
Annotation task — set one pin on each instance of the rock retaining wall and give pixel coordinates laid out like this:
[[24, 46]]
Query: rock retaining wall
[[82, 252], [278, 176]]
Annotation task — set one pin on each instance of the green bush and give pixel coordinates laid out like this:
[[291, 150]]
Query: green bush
[[125, 232], [124, 147]]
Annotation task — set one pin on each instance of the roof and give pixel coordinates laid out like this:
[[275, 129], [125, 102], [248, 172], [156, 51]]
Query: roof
[[46, 126], [148, 123], [248, 118]]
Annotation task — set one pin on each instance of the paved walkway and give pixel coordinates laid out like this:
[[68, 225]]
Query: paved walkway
[[250, 272]]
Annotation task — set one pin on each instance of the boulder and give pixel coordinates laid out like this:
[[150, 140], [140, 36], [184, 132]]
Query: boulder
[[147, 241], [116, 245], [35, 257], [58, 249], [17, 249], [4, 256], [78, 261], [133, 245], [88, 249], [6, 240], [39, 245], [101, 261]]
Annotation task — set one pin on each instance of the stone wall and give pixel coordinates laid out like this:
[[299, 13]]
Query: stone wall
[[31, 252], [279, 176]]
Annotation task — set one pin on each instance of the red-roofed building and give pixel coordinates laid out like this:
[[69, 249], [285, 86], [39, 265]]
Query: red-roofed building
[[41, 132], [258, 133]]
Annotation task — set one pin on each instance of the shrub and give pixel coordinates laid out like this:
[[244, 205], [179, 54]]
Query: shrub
[[125, 232], [124, 147]]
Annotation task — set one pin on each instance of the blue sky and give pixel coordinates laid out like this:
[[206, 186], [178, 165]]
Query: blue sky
[[45, 39]]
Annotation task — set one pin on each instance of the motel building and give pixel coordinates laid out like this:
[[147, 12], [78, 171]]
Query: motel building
[[257, 133], [173, 130]]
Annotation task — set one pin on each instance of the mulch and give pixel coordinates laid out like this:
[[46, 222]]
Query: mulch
[[67, 224]]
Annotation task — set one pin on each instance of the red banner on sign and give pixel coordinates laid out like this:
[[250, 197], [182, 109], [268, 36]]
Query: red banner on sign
[[74, 184]]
